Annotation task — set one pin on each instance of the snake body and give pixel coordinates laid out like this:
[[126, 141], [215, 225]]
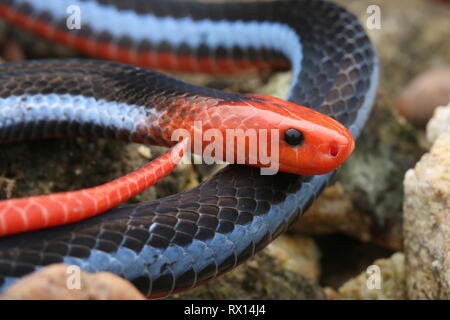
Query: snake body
[[180, 241]]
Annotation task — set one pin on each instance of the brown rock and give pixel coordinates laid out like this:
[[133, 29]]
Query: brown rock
[[298, 254], [423, 94], [57, 282], [333, 212], [391, 285]]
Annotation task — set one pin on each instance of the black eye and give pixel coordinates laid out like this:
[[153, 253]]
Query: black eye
[[294, 137]]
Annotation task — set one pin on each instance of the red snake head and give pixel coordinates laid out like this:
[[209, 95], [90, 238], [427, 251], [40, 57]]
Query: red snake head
[[263, 131], [299, 139]]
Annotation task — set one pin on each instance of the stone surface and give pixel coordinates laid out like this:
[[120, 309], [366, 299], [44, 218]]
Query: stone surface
[[334, 212], [427, 223], [439, 123], [297, 254], [364, 287], [423, 94], [57, 282], [344, 258]]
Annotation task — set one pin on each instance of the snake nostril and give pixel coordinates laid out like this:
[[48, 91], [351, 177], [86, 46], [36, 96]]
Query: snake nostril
[[334, 149]]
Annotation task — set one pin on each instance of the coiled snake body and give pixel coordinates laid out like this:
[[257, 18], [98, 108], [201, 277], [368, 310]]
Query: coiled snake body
[[185, 239]]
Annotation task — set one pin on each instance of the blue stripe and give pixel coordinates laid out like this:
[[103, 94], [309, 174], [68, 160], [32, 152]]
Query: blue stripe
[[73, 108], [254, 34]]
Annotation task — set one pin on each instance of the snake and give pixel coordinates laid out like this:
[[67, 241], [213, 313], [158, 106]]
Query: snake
[[183, 240]]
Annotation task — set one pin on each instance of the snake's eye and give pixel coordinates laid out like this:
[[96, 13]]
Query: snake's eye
[[294, 137]]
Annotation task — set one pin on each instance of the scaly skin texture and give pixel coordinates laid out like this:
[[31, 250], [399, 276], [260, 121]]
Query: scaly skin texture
[[74, 98], [180, 241], [32, 213], [147, 57], [35, 107], [326, 145]]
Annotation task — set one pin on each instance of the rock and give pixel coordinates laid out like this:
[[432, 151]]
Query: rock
[[145, 152], [423, 94], [54, 282], [6, 186], [391, 285], [439, 123], [344, 258], [427, 223], [297, 254], [334, 212]]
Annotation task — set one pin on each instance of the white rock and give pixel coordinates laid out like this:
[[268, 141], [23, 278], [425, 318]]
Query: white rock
[[439, 124], [426, 225]]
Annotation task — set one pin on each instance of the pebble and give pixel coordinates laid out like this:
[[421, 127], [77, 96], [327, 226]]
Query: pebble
[[423, 94], [55, 282]]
